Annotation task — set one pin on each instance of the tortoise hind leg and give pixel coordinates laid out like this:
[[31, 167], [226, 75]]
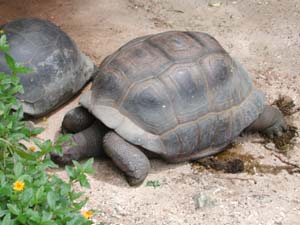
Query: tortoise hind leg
[[270, 122], [128, 158]]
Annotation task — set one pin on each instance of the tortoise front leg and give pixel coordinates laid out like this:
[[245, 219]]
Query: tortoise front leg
[[269, 122], [127, 157], [77, 120], [85, 144]]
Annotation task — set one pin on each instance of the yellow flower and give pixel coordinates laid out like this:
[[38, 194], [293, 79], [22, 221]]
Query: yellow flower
[[19, 185], [87, 214], [1, 32], [32, 148]]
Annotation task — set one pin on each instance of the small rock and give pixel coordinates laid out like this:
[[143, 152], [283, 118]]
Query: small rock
[[214, 4], [270, 146], [202, 201]]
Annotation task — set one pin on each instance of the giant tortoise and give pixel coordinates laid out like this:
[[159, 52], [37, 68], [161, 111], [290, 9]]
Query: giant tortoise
[[60, 69], [174, 95]]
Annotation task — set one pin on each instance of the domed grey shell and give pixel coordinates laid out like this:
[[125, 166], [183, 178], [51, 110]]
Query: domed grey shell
[[175, 94], [60, 69]]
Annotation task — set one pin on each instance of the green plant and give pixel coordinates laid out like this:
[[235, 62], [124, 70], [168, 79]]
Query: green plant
[[153, 183], [28, 194]]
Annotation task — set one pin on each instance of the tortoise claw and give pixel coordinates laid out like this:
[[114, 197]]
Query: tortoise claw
[[278, 133], [276, 130], [285, 127]]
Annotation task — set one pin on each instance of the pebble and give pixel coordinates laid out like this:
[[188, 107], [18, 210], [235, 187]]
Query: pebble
[[202, 201]]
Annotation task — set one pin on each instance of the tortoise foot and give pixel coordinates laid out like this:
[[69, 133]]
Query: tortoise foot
[[276, 130], [270, 122], [128, 158], [85, 144]]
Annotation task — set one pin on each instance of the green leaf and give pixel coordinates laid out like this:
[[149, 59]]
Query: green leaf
[[88, 166], [24, 154], [7, 220], [78, 220], [48, 163], [39, 194], [3, 213], [10, 62], [9, 125], [51, 199], [77, 165], [27, 197], [46, 217], [43, 179], [33, 216], [26, 177], [49, 223], [3, 44], [2, 179], [13, 209], [70, 171], [74, 221], [19, 68], [36, 131], [45, 147], [22, 218], [17, 136], [65, 189], [153, 183], [57, 149], [14, 90], [83, 181], [18, 169], [62, 139], [79, 205], [76, 195]]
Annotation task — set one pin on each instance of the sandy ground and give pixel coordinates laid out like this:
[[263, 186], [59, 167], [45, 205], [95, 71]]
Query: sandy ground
[[263, 35]]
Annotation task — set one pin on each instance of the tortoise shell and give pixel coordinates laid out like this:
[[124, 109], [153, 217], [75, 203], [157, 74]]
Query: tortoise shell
[[175, 94], [60, 69]]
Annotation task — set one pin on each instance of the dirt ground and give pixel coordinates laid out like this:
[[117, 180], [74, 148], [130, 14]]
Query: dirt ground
[[263, 35]]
